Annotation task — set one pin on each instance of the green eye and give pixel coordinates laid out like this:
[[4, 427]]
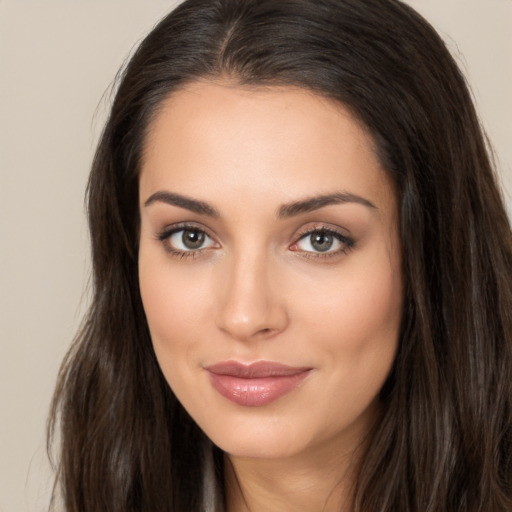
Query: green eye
[[192, 239], [323, 241], [189, 239]]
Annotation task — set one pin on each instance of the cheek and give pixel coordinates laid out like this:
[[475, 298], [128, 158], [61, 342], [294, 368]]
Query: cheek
[[176, 303], [176, 306], [364, 299], [357, 336], [355, 316]]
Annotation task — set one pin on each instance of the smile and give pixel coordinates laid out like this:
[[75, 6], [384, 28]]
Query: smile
[[257, 384]]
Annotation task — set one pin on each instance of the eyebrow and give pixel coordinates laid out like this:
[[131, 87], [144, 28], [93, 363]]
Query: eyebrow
[[292, 209], [310, 204], [183, 202]]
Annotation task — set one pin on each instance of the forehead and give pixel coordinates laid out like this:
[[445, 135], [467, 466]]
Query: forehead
[[220, 138]]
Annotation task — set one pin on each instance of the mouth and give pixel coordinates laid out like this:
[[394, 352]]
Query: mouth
[[256, 384]]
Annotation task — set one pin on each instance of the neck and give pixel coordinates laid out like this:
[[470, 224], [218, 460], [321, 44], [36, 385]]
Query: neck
[[307, 483]]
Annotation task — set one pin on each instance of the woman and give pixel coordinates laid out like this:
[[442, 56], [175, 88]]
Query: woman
[[301, 272]]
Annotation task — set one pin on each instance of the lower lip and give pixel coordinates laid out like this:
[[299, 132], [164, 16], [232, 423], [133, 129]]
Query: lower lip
[[255, 392]]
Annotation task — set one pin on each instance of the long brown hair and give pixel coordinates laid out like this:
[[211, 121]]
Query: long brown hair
[[444, 442]]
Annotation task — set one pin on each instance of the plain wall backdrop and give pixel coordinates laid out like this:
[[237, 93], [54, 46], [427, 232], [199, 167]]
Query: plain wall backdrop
[[57, 59]]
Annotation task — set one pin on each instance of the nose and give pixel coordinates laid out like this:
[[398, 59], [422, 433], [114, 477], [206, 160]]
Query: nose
[[251, 302]]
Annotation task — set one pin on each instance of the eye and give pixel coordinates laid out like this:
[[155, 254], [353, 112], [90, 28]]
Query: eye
[[322, 242], [186, 239], [319, 241]]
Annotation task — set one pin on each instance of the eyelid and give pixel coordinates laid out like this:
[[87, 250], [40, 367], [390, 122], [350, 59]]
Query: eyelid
[[347, 241], [167, 232]]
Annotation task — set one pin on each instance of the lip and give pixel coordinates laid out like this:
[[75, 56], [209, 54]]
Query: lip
[[256, 384]]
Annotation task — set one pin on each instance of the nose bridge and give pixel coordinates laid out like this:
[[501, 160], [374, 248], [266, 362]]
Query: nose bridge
[[251, 304]]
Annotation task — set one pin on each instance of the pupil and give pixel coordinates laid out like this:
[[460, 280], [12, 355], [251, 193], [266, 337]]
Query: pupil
[[321, 241], [192, 239]]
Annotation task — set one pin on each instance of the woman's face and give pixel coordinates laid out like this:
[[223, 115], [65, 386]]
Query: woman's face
[[270, 267]]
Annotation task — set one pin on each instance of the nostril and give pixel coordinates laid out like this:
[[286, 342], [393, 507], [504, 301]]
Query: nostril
[[266, 331]]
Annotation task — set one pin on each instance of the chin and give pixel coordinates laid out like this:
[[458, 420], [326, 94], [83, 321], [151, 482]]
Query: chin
[[268, 448], [261, 438]]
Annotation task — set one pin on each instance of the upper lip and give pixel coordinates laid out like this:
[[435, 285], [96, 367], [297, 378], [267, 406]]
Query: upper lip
[[256, 370]]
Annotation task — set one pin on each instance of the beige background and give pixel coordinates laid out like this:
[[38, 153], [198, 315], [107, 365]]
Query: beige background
[[57, 58]]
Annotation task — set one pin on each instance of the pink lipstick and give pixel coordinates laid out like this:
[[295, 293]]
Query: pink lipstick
[[256, 384]]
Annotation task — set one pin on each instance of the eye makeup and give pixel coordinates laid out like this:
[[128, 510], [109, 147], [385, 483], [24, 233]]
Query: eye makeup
[[322, 242], [189, 240]]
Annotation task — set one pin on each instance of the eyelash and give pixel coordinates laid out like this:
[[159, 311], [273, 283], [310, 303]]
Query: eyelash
[[346, 242], [165, 235]]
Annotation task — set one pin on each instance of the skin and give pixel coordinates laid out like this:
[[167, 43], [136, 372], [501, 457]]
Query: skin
[[258, 289]]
